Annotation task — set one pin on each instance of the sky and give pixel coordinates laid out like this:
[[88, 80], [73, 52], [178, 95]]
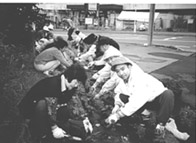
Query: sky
[[100, 1]]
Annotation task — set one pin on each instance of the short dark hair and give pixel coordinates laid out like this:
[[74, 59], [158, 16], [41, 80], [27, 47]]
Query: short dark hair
[[90, 39], [76, 71], [60, 43]]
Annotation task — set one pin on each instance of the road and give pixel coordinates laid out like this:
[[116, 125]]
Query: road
[[186, 43]]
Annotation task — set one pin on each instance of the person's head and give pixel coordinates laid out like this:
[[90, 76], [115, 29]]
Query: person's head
[[110, 54], [122, 66], [90, 39], [60, 43], [76, 72], [48, 28], [79, 35]]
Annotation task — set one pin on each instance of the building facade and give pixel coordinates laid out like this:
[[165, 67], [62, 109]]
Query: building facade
[[171, 17]]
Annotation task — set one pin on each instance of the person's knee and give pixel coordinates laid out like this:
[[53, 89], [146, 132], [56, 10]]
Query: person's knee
[[169, 95]]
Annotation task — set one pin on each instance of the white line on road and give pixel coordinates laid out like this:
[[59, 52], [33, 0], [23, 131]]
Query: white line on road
[[171, 38]]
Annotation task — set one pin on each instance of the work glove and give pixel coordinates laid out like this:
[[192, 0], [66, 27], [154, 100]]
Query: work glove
[[97, 96], [87, 125], [95, 76], [93, 89], [58, 133], [101, 92], [113, 118], [91, 64]]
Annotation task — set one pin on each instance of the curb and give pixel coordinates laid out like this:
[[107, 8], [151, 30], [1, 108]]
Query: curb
[[164, 46]]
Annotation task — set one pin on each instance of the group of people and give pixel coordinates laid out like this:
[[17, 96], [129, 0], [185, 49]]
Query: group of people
[[45, 104]]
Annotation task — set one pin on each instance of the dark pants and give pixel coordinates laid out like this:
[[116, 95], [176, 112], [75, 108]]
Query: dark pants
[[40, 124], [163, 104], [69, 33]]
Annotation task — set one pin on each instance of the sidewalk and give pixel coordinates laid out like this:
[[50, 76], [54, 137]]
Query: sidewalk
[[137, 32]]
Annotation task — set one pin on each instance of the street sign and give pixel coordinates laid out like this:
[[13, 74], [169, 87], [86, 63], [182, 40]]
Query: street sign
[[88, 20], [92, 6]]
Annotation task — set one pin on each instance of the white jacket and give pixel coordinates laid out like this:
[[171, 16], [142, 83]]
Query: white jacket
[[141, 88]]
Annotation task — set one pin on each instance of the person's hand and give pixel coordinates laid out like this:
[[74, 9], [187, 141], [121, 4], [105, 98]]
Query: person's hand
[[58, 132], [97, 96], [113, 118], [74, 83], [95, 76], [91, 64], [93, 90], [87, 126]]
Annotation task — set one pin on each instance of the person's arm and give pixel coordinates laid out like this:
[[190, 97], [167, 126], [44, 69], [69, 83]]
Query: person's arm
[[52, 106], [57, 132], [109, 85], [59, 56]]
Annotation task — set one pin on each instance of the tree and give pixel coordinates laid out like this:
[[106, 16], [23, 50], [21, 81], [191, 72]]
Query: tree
[[16, 22]]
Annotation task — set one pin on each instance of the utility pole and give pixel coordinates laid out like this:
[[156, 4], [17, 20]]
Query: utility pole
[[97, 14], [86, 14], [134, 28], [151, 24]]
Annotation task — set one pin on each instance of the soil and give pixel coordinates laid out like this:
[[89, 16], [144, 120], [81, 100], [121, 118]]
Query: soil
[[18, 75]]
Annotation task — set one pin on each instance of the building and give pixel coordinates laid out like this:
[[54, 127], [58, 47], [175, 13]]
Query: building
[[168, 17]]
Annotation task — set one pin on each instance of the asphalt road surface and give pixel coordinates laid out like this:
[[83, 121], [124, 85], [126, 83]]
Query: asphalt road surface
[[186, 43]]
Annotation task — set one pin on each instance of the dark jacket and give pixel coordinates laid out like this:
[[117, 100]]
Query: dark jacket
[[103, 40], [48, 87]]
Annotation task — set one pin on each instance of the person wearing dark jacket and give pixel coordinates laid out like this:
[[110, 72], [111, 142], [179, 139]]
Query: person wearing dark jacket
[[44, 106], [100, 41]]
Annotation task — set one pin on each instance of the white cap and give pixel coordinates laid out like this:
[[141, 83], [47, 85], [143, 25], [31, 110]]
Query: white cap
[[46, 28], [82, 35], [111, 52], [50, 27]]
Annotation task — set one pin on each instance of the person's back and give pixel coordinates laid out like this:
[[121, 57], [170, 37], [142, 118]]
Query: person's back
[[51, 54], [103, 40]]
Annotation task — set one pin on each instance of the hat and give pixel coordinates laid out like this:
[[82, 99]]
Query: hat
[[111, 52], [90, 39], [46, 28], [119, 61], [50, 27]]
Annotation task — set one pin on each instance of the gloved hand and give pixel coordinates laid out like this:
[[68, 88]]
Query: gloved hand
[[91, 64], [93, 89], [113, 118], [97, 96], [95, 76], [58, 132], [87, 125]]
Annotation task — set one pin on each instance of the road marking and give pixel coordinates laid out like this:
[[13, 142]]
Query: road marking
[[171, 38], [180, 46]]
